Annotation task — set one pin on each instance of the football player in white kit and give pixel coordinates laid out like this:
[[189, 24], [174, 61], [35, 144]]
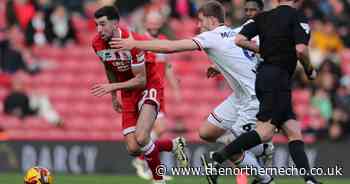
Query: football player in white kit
[[236, 114]]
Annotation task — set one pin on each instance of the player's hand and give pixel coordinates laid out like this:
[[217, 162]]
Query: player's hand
[[122, 44], [101, 89], [212, 72], [116, 105]]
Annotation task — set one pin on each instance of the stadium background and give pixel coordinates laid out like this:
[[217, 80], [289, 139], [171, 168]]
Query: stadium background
[[86, 136]]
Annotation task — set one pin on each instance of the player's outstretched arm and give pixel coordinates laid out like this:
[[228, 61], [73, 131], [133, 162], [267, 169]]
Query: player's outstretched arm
[[162, 46], [243, 42]]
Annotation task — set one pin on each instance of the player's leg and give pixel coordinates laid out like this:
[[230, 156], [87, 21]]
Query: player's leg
[[134, 150], [265, 91], [292, 130], [244, 142], [245, 122], [263, 132], [297, 150], [151, 150], [238, 116], [149, 108], [129, 119], [242, 160], [139, 162], [132, 145], [210, 132], [158, 130], [217, 128], [219, 121], [147, 116]]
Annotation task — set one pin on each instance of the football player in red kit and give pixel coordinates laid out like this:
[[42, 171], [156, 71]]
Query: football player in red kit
[[153, 22], [134, 74]]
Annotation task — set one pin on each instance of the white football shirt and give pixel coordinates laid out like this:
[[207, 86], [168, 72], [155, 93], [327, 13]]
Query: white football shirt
[[235, 64]]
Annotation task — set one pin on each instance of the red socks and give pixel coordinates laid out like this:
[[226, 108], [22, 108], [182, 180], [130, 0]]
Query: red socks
[[151, 153], [164, 145], [152, 157]]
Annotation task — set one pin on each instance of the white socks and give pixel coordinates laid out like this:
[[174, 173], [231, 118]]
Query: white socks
[[148, 148]]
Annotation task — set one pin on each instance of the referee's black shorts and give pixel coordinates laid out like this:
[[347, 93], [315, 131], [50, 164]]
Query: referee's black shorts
[[273, 90]]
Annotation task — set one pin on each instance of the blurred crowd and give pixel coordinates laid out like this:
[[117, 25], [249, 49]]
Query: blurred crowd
[[323, 106]]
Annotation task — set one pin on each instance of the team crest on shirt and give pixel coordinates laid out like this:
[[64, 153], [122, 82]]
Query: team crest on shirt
[[107, 55]]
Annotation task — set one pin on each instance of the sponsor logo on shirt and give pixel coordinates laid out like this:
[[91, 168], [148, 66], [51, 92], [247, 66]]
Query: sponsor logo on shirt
[[227, 34], [120, 60]]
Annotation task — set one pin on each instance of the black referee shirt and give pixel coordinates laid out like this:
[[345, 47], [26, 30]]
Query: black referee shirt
[[279, 30]]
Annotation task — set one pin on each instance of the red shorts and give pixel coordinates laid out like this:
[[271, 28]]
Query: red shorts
[[133, 102]]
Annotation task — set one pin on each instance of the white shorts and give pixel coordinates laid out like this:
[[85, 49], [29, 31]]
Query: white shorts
[[236, 115]]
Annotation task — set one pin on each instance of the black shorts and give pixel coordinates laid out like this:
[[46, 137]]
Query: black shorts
[[273, 90]]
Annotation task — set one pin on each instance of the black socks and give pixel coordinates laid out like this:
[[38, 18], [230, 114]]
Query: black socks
[[251, 139], [242, 143], [297, 152]]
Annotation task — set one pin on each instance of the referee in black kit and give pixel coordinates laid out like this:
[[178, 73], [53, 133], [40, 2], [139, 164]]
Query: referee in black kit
[[284, 35]]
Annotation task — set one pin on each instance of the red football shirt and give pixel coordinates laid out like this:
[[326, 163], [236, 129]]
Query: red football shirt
[[123, 61]]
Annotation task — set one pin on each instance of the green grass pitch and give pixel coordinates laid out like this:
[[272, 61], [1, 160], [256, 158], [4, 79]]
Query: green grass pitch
[[13, 178]]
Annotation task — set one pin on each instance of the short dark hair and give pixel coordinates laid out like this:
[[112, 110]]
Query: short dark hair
[[111, 12], [259, 2], [213, 9]]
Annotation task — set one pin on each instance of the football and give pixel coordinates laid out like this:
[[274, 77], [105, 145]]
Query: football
[[38, 175]]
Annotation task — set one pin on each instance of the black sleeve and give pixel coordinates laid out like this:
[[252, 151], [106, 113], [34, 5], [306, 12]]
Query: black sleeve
[[301, 30], [250, 29]]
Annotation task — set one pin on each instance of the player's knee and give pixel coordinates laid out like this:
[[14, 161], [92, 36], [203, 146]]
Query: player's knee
[[142, 138], [133, 150], [292, 130], [265, 132], [265, 136]]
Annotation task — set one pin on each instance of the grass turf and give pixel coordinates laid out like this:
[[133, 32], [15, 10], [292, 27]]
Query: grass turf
[[15, 178]]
